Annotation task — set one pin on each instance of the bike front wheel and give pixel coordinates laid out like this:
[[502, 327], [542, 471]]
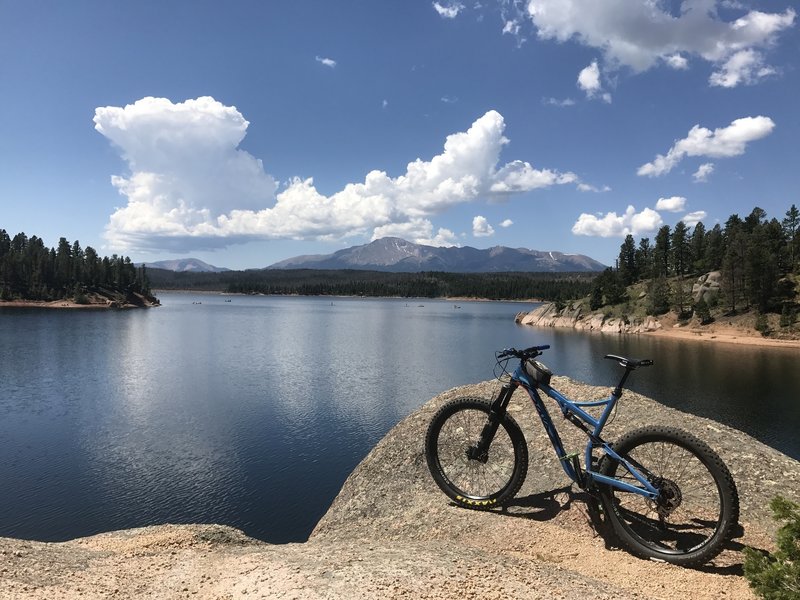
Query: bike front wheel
[[474, 479], [697, 507]]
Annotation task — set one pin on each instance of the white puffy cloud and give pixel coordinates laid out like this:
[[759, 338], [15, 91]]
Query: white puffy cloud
[[589, 79], [673, 204], [589, 82], [720, 143], [703, 172], [511, 27], [518, 176], [448, 10], [328, 62], [640, 35], [190, 186], [677, 62], [419, 231], [613, 225], [506, 223], [693, 218], [481, 227], [746, 67]]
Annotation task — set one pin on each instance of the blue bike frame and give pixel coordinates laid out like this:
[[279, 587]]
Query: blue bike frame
[[575, 413]]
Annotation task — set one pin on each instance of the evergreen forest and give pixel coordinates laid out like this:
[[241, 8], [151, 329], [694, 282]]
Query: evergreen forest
[[29, 270], [309, 282], [758, 259]]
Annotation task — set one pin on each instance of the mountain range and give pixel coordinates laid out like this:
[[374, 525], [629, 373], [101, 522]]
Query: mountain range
[[400, 256], [397, 255], [180, 265]]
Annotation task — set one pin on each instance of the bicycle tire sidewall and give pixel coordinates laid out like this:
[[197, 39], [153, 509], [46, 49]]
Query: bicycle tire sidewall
[[499, 497]]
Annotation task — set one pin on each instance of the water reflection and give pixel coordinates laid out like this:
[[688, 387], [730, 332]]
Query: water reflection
[[253, 412]]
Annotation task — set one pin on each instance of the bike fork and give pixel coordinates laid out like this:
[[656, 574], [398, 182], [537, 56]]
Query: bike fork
[[499, 404]]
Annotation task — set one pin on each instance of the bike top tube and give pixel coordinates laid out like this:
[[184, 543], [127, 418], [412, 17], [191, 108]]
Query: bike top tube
[[574, 411], [567, 405]]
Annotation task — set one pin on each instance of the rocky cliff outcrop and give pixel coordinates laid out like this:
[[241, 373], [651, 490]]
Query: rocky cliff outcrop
[[391, 533], [575, 316]]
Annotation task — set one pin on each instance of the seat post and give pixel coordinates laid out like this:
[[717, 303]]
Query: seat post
[[618, 390]]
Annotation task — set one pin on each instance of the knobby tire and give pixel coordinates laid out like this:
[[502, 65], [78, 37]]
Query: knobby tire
[[469, 482], [698, 508]]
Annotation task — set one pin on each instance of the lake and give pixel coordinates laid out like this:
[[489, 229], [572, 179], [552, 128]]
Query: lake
[[251, 411]]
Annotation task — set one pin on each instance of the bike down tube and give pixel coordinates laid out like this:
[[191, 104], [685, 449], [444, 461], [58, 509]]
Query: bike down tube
[[547, 422]]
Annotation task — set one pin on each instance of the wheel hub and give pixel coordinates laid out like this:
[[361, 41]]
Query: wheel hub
[[474, 453], [669, 496]]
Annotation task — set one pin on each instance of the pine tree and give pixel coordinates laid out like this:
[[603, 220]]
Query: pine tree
[[697, 246], [661, 253], [644, 259], [791, 227], [627, 261], [714, 250], [680, 249]]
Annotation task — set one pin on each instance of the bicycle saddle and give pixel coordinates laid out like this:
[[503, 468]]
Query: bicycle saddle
[[630, 363]]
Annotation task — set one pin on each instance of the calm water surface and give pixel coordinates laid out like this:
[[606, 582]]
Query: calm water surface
[[251, 411]]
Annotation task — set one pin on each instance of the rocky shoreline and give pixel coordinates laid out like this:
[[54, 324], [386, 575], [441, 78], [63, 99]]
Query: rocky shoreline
[[575, 317], [390, 533], [91, 301], [726, 331]]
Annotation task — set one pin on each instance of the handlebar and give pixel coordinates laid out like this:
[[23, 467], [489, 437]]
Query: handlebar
[[531, 352]]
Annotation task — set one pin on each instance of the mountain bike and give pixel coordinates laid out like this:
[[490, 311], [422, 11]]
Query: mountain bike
[[666, 494]]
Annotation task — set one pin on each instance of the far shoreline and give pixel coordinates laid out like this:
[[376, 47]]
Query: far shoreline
[[70, 305], [732, 337], [728, 336]]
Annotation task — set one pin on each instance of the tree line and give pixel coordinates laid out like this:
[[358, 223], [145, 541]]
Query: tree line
[[29, 270], [753, 254], [310, 282]]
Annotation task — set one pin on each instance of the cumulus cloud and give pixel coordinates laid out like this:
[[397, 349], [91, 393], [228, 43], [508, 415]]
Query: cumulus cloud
[[613, 225], [640, 35], [703, 172], [481, 227], [506, 223], [190, 187], [448, 10], [589, 82], [511, 27], [673, 204], [693, 218], [677, 62], [419, 231], [328, 62], [744, 67], [720, 143]]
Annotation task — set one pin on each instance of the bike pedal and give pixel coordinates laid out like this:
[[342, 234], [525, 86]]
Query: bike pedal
[[569, 456]]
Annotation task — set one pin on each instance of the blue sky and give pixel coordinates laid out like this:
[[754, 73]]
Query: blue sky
[[243, 133]]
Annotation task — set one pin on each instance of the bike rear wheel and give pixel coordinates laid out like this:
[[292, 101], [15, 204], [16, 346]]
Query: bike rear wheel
[[475, 481], [698, 505]]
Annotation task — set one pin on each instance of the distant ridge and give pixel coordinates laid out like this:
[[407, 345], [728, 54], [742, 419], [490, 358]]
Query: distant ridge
[[400, 256], [182, 265]]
